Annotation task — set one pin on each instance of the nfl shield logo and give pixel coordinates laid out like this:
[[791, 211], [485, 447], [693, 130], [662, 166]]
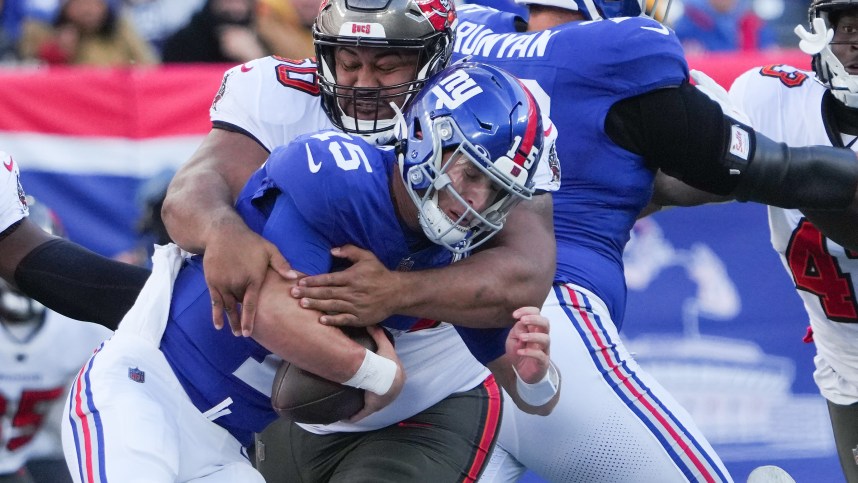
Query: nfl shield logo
[[136, 375]]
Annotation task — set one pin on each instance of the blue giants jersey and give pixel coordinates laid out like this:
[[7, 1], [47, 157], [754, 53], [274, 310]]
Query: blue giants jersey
[[579, 70], [321, 191]]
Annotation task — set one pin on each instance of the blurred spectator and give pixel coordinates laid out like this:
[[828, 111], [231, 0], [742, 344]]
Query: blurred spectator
[[150, 227], [223, 31], [156, 20], [285, 26], [86, 32], [722, 26], [12, 16]]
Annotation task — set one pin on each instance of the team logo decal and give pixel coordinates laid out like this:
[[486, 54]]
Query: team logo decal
[[221, 91], [405, 265], [440, 13], [455, 89], [554, 164], [22, 197], [136, 375]]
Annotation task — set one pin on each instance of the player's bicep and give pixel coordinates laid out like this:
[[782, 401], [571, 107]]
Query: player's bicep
[[529, 249], [529, 228], [224, 157]]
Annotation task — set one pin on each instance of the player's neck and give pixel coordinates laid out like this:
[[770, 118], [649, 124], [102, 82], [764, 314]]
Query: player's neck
[[846, 118]]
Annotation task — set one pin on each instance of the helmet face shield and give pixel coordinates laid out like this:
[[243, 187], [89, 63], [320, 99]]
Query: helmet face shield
[[420, 32], [468, 146]]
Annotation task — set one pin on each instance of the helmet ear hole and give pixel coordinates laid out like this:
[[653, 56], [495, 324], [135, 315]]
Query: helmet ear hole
[[418, 130]]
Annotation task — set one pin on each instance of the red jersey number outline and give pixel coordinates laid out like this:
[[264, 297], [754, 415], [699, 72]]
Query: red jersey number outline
[[294, 73], [789, 79], [816, 271], [31, 412]]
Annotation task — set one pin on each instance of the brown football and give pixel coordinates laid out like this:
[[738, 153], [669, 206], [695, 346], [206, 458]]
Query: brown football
[[304, 397]]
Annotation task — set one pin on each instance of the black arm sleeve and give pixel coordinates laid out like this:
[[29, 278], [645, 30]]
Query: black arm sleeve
[[684, 133], [80, 284]]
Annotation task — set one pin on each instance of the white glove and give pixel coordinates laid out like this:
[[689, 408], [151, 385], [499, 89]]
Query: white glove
[[708, 86], [813, 43]]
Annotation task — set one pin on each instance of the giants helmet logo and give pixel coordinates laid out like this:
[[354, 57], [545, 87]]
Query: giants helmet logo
[[441, 13]]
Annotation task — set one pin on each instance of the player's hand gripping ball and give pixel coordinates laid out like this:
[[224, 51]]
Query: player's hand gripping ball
[[304, 397]]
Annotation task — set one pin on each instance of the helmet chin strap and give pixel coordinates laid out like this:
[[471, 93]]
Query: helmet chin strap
[[438, 227]]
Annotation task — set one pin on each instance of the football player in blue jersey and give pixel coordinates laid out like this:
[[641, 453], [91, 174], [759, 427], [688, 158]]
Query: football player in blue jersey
[[172, 398], [618, 90]]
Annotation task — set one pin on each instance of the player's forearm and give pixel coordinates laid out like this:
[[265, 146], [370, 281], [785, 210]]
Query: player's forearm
[[200, 197], [293, 333], [483, 290], [80, 284]]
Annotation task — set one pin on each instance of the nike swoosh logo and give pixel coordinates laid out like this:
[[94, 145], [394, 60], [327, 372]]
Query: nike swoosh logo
[[9, 165], [548, 131], [314, 166], [245, 68], [661, 29]]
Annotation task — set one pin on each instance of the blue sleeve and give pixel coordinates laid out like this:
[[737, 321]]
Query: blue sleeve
[[632, 55], [306, 249], [485, 344], [302, 213]]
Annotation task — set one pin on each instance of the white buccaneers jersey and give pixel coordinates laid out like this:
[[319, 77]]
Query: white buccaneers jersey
[[13, 206], [274, 100], [36, 367], [785, 104]]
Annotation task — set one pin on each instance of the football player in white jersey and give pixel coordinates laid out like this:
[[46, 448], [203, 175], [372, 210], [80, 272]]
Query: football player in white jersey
[[39, 356], [819, 249], [63, 276]]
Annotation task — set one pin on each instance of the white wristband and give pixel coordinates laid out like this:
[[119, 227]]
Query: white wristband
[[538, 393], [376, 374]]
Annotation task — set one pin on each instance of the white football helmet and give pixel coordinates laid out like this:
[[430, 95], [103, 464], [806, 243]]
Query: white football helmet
[[817, 42]]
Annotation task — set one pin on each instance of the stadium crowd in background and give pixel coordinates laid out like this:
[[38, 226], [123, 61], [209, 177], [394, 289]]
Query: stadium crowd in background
[[282, 26], [85, 32], [723, 26]]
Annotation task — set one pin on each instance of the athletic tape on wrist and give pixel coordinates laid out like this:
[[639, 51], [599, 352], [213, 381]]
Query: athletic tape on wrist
[[376, 374], [541, 392]]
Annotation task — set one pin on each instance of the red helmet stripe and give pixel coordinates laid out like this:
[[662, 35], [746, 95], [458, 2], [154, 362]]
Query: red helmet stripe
[[529, 133]]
